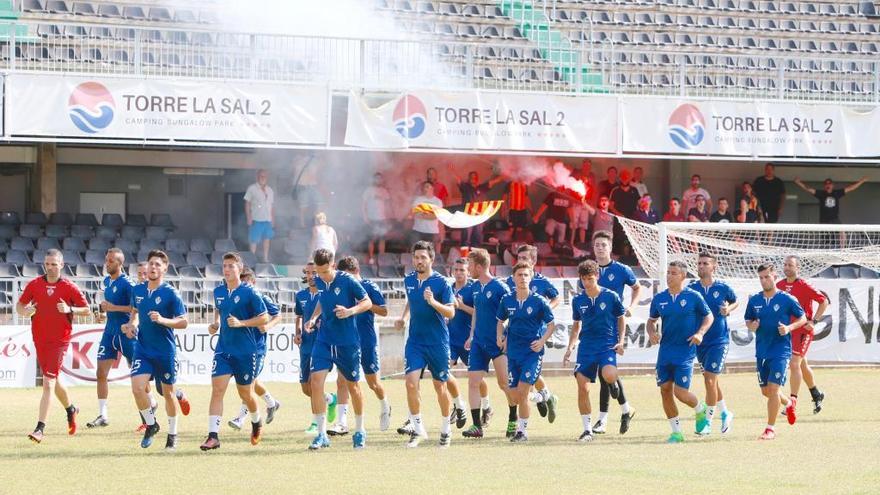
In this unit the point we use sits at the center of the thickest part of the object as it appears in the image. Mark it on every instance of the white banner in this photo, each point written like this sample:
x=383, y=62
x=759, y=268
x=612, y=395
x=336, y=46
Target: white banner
x=18, y=361
x=748, y=128
x=150, y=109
x=485, y=121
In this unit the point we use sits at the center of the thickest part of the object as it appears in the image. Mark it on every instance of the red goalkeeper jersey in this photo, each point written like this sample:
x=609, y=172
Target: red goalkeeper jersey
x=804, y=292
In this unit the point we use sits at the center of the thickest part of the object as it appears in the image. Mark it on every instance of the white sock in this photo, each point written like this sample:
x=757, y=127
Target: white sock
x=342, y=414
x=770, y=427
x=722, y=406
x=484, y=403
x=255, y=416
x=460, y=403
x=214, y=424
x=328, y=397
x=149, y=417
x=386, y=406
x=417, y=421
x=625, y=408
x=270, y=401
x=586, y=420
x=545, y=394
x=710, y=413
x=153, y=403
x=701, y=406
x=172, y=425
x=102, y=408
x=242, y=412
x=321, y=421
x=359, y=423
x=522, y=424
x=445, y=427
x=603, y=417
x=675, y=424
x=179, y=394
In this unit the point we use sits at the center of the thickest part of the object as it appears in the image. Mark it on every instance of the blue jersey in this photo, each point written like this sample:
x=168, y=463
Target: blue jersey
x=781, y=308
x=427, y=327
x=598, y=317
x=243, y=303
x=460, y=324
x=715, y=296
x=273, y=310
x=614, y=276
x=682, y=314
x=528, y=319
x=540, y=285
x=366, y=324
x=155, y=340
x=305, y=307
x=344, y=291
x=487, y=299
x=117, y=292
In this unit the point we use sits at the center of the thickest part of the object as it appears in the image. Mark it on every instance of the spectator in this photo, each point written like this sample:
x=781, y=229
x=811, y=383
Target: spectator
x=638, y=175
x=646, y=213
x=829, y=198
x=689, y=196
x=699, y=213
x=674, y=213
x=581, y=213
x=585, y=174
x=426, y=227
x=259, y=200
x=770, y=191
x=722, y=214
x=609, y=183
x=518, y=204
x=624, y=198
x=472, y=191
x=749, y=210
x=558, y=205
x=323, y=235
x=603, y=220
x=440, y=190
x=375, y=205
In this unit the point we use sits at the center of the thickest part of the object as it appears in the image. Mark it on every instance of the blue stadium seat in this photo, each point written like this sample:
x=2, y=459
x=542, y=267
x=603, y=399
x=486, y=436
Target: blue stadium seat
x=82, y=231
x=213, y=271
x=61, y=218
x=177, y=245
x=201, y=245
x=57, y=231
x=30, y=231
x=31, y=270
x=112, y=220
x=7, y=231
x=85, y=219
x=36, y=218
x=225, y=245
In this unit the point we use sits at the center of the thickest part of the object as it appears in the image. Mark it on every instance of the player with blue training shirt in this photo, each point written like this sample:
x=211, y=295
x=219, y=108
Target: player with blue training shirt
x=459, y=331
x=712, y=352
x=529, y=327
x=238, y=311
x=598, y=330
x=772, y=314
x=429, y=303
x=482, y=343
x=272, y=405
x=338, y=343
x=685, y=320
x=157, y=310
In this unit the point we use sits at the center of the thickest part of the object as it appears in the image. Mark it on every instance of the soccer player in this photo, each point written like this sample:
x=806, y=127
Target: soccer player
x=51, y=301
x=238, y=311
x=801, y=338
x=772, y=315
x=341, y=298
x=157, y=310
x=272, y=405
x=685, y=320
x=459, y=331
x=614, y=275
x=540, y=285
x=598, y=330
x=529, y=328
x=306, y=302
x=482, y=342
x=712, y=352
x=429, y=303
x=141, y=272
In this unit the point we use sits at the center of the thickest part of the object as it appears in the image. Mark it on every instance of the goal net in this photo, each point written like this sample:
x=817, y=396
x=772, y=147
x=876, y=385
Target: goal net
x=742, y=247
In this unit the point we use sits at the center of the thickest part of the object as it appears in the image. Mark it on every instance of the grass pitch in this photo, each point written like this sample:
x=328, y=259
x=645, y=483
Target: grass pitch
x=833, y=452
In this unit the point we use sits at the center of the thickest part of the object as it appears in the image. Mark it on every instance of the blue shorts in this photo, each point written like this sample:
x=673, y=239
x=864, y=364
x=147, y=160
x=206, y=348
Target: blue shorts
x=260, y=231
x=370, y=359
x=458, y=353
x=590, y=365
x=163, y=369
x=481, y=356
x=435, y=358
x=712, y=358
x=773, y=370
x=113, y=343
x=305, y=363
x=679, y=372
x=345, y=357
x=525, y=369
x=245, y=368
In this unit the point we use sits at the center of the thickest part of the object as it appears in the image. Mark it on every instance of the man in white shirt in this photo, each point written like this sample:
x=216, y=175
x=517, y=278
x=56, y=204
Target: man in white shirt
x=426, y=227
x=689, y=196
x=375, y=205
x=258, y=207
x=636, y=182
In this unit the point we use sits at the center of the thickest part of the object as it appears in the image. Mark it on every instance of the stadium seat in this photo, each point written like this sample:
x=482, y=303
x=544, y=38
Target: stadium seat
x=225, y=245
x=57, y=231
x=112, y=220
x=177, y=259
x=136, y=220
x=17, y=256
x=74, y=244
x=98, y=244
x=85, y=219
x=176, y=245
x=217, y=257
x=71, y=257
x=150, y=244
x=36, y=218
x=31, y=270
x=9, y=218
x=9, y=270
x=213, y=271
x=86, y=270
x=95, y=256
x=82, y=231
x=22, y=244
x=197, y=259
x=867, y=273
x=34, y=6
x=161, y=220
x=189, y=271
x=61, y=218
x=131, y=232
x=249, y=258
x=126, y=245
x=105, y=232
x=848, y=272
x=156, y=233
x=4, y=246
x=30, y=231
x=201, y=245
x=7, y=232
x=266, y=270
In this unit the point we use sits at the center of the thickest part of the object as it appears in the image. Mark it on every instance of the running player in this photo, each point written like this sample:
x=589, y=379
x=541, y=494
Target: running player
x=772, y=315
x=306, y=300
x=272, y=405
x=238, y=311
x=685, y=320
x=615, y=276
x=540, y=285
x=529, y=328
x=712, y=352
x=598, y=330
x=429, y=303
x=338, y=343
x=801, y=338
x=50, y=302
x=459, y=331
x=482, y=342
x=157, y=310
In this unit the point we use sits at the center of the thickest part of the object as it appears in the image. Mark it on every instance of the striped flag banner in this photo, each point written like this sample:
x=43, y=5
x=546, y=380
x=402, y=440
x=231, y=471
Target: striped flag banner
x=473, y=214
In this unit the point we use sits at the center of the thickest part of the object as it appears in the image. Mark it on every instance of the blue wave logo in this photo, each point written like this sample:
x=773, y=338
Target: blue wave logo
x=410, y=117
x=91, y=107
x=687, y=127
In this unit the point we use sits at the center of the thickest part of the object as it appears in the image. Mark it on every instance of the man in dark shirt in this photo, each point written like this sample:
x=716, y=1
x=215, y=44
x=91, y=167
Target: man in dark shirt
x=829, y=198
x=471, y=192
x=558, y=205
x=609, y=183
x=770, y=191
x=699, y=213
x=722, y=214
x=624, y=198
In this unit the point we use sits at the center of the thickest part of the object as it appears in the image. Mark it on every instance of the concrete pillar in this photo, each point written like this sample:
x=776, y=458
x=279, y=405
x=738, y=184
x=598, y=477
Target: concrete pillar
x=44, y=185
